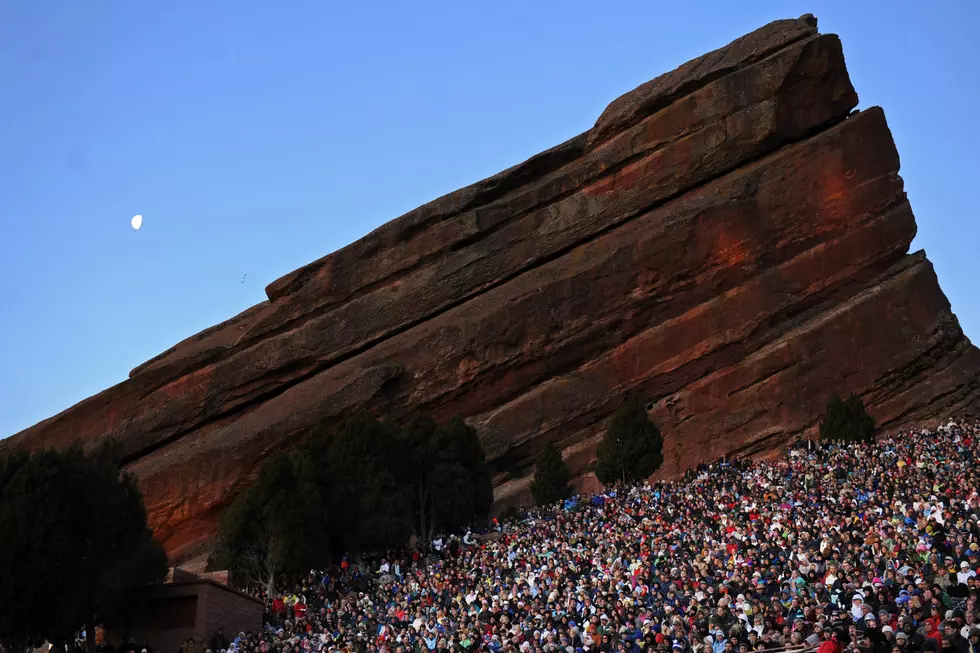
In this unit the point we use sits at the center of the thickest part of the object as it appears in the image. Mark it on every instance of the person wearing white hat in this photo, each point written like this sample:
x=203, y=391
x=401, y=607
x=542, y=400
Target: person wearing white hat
x=857, y=607
x=965, y=573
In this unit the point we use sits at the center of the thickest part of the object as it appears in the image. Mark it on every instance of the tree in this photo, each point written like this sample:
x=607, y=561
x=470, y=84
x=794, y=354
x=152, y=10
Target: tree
x=459, y=445
x=363, y=485
x=365, y=496
x=276, y=527
x=445, y=474
x=632, y=448
x=847, y=421
x=418, y=445
x=74, y=545
x=551, y=476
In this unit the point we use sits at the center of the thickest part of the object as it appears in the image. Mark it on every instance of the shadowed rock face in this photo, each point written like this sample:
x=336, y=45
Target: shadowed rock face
x=728, y=240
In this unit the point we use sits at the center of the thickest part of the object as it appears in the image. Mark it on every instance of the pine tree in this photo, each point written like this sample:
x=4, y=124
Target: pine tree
x=847, y=421
x=362, y=485
x=632, y=448
x=551, y=476
x=444, y=470
x=74, y=545
x=274, y=528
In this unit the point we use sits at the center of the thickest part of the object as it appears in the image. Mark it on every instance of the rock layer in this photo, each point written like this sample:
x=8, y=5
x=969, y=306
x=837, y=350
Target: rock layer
x=729, y=239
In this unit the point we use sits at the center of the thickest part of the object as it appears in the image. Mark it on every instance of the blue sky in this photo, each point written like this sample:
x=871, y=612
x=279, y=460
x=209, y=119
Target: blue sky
x=257, y=136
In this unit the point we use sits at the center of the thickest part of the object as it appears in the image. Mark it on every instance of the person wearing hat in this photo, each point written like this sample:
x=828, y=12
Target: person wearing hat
x=885, y=619
x=901, y=640
x=974, y=640
x=914, y=639
x=965, y=573
x=878, y=643
x=813, y=639
x=857, y=607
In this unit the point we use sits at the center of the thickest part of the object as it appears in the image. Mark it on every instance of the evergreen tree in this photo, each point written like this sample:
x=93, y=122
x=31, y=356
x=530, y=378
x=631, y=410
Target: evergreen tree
x=551, y=476
x=274, y=528
x=359, y=475
x=632, y=448
x=847, y=421
x=360, y=486
x=460, y=445
x=74, y=545
x=446, y=475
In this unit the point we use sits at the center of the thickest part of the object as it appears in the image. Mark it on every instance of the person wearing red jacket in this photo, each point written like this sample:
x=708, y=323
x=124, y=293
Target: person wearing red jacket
x=831, y=644
x=299, y=609
x=933, y=632
x=278, y=606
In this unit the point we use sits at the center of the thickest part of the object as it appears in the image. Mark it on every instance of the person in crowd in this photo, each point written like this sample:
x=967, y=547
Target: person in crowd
x=219, y=641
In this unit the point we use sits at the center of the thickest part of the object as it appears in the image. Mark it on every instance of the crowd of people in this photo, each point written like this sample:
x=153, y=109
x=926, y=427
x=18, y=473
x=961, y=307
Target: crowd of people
x=873, y=548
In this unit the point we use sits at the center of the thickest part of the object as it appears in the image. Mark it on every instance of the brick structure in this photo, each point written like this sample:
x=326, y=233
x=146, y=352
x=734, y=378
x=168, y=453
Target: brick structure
x=191, y=606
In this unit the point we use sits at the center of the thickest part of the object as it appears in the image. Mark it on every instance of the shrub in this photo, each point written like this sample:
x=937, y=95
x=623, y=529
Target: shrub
x=74, y=545
x=847, y=421
x=551, y=476
x=632, y=448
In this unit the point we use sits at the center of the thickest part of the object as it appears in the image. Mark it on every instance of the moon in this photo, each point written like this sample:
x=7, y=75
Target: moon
x=137, y=222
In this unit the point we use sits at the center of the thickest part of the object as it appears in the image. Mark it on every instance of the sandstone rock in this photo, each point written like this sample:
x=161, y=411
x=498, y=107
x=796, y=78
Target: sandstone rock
x=729, y=240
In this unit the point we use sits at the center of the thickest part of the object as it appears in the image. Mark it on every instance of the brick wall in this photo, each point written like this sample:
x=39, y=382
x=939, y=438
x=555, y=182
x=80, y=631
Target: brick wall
x=216, y=606
x=222, y=607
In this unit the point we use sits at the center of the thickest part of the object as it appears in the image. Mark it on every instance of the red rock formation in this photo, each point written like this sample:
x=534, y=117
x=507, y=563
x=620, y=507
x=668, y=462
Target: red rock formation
x=729, y=240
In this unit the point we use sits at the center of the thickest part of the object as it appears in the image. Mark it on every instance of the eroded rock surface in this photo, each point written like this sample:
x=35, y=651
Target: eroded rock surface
x=730, y=240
